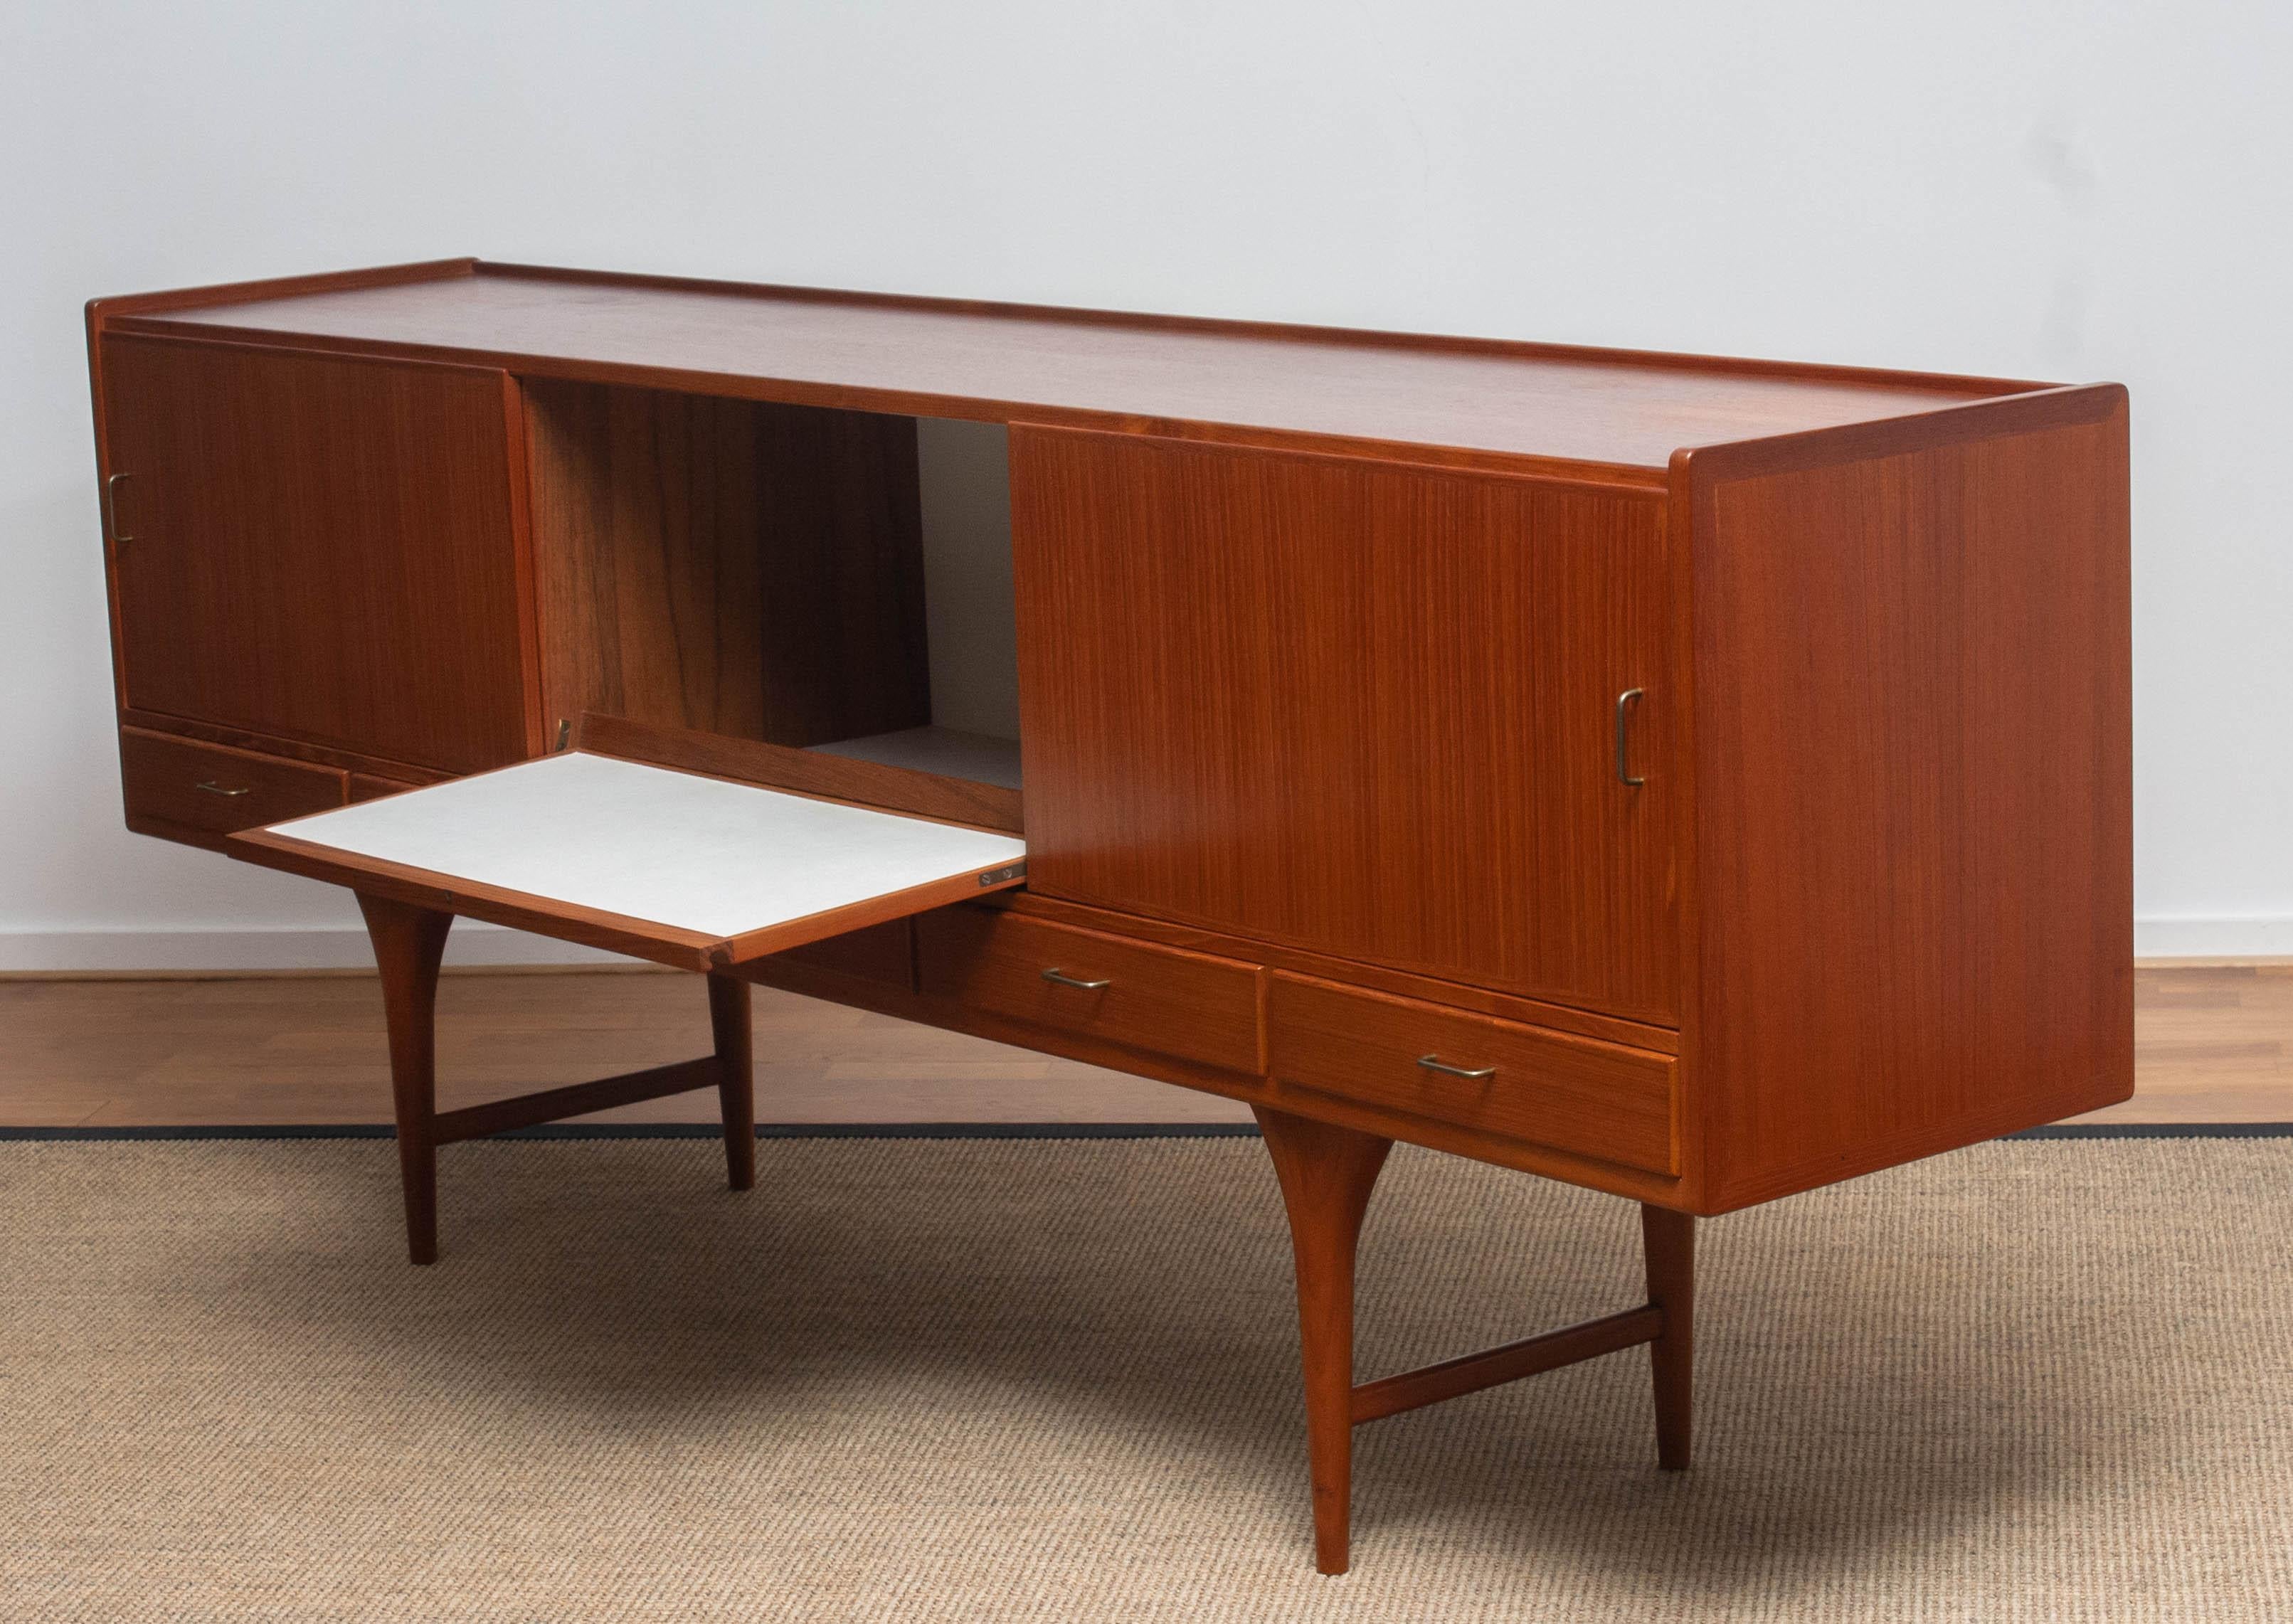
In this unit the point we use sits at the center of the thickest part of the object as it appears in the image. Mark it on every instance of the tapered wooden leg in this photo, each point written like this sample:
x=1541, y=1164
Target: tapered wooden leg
x=1670, y=1241
x=728, y=1020
x=408, y=942
x=1326, y=1175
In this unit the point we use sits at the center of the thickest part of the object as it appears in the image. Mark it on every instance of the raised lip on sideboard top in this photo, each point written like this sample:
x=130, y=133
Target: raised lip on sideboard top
x=202, y=313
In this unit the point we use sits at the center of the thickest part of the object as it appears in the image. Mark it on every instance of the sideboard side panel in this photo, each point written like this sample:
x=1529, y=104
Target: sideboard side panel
x=1913, y=770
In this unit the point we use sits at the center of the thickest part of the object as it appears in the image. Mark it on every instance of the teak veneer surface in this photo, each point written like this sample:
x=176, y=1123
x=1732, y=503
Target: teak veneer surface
x=1573, y=1094
x=1341, y=705
x=1780, y=711
x=259, y=495
x=1913, y=776
x=739, y=567
x=1321, y=639
x=1616, y=409
x=1127, y=991
x=186, y=783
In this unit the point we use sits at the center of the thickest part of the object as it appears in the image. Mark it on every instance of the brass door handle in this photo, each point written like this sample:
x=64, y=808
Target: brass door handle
x=111, y=508
x=211, y=788
x=1624, y=703
x=1471, y=1075
x=1063, y=979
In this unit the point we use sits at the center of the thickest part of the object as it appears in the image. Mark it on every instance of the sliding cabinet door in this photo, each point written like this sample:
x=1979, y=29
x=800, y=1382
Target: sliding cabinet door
x=317, y=548
x=1353, y=708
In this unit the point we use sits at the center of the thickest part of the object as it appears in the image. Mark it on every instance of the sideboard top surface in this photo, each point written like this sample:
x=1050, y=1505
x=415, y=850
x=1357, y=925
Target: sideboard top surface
x=1617, y=410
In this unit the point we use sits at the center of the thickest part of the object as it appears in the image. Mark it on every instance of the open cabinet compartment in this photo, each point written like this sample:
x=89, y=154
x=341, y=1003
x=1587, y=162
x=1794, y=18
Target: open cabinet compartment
x=798, y=576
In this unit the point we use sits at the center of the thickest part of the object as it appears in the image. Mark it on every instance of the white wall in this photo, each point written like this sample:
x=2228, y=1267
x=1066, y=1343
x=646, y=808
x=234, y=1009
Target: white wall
x=2059, y=189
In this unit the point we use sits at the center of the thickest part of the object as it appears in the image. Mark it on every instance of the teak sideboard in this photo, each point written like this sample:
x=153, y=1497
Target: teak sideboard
x=1697, y=779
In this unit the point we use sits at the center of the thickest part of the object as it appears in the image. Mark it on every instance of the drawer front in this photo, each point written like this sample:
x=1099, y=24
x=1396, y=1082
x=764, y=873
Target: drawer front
x=209, y=787
x=1163, y=999
x=1600, y=1099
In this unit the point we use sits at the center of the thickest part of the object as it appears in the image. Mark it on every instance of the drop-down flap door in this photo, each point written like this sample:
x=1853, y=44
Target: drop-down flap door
x=672, y=863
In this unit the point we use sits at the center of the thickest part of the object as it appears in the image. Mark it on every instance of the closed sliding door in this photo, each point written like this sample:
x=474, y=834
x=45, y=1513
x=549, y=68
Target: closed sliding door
x=1366, y=710
x=317, y=548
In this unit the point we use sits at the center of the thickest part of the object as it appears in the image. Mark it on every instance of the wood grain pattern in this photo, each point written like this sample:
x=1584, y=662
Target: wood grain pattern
x=885, y=953
x=409, y=941
x=1189, y=1005
x=2212, y=1043
x=646, y=540
x=1364, y=711
x=1435, y=1383
x=1346, y=719
x=102, y=311
x=503, y=1116
x=368, y=787
x=206, y=786
x=733, y=1064
x=219, y=295
x=354, y=762
x=267, y=494
x=744, y=569
x=953, y=1015
x=878, y=909
x=1596, y=1099
x=1555, y=1017
x=1599, y=409
x=1326, y=1175
x=1668, y=1244
x=1913, y=778
x=422, y=889
x=845, y=653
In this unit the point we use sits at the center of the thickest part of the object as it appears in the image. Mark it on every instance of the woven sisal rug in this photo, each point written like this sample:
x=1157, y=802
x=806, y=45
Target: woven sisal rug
x=1056, y=1380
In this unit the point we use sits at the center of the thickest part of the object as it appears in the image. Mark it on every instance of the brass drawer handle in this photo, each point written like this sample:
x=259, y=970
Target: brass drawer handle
x=1061, y=978
x=1624, y=703
x=211, y=788
x=1472, y=1076
x=111, y=508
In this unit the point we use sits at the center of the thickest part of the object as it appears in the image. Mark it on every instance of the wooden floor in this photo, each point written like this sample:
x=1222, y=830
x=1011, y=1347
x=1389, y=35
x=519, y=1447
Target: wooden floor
x=2212, y=1045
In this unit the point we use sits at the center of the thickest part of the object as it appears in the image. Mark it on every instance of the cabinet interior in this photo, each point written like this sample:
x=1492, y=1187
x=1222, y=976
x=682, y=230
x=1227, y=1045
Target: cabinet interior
x=818, y=578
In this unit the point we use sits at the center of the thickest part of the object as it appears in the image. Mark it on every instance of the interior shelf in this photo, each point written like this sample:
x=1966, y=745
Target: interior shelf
x=948, y=752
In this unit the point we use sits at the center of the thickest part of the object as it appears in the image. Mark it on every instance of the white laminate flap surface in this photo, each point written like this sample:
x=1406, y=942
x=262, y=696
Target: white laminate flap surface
x=695, y=853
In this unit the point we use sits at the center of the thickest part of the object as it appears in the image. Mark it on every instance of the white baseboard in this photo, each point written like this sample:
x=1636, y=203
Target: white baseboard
x=68, y=952
x=2249, y=938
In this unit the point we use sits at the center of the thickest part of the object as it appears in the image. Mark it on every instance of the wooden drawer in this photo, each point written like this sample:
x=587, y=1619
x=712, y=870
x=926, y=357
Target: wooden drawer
x=1600, y=1099
x=1164, y=1000
x=211, y=788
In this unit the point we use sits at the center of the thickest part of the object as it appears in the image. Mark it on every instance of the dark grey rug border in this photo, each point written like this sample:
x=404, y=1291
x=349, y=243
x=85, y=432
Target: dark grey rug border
x=678, y=1130
x=2157, y=1130
x=976, y=1130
